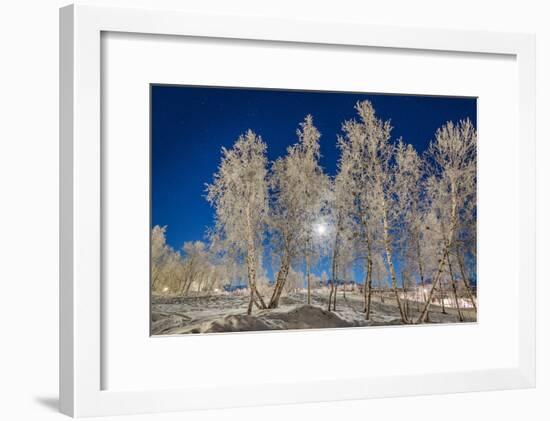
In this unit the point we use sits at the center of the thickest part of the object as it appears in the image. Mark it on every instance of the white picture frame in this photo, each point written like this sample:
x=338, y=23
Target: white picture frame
x=81, y=319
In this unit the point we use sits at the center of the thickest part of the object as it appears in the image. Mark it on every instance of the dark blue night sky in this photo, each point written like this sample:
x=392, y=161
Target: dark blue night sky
x=189, y=125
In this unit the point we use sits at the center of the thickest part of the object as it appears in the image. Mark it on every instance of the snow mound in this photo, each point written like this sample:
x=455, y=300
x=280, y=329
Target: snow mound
x=233, y=323
x=164, y=322
x=302, y=317
x=308, y=317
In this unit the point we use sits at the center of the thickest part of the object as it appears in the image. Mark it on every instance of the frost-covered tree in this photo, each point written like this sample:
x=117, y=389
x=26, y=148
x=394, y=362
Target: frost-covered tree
x=379, y=274
x=315, y=195
x=382, y=176
x=172, y=274
x=410, y=200
x=287, y=219
x=300, y=190
x=355, y=193
x=295, y=280
x=367, y=143
x=192, y=269
x=167, y=268
x=452, y=159
x=159, y=254
x=239, y=194
x=195, y=263
x=341, y=234
x=464, y=249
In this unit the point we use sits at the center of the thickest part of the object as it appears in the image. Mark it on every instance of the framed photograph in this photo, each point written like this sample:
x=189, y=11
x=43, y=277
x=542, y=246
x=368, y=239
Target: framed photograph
x=247, y=203
x=336, y=222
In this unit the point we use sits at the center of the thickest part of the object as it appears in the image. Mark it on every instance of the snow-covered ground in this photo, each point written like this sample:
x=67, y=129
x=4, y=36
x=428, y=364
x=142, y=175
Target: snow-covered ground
x=227, y=313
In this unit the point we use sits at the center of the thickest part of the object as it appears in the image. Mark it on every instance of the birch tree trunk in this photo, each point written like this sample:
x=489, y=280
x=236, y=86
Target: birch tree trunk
x=251, y=271
x=405, y=297
x=464, y=278
x=367, y=285
x=334, y=298
x=368, y=281
x=308, y=279
x=389, y=260
x=453, y=286
x=330, y=295
x=189, y=278
x=280, y=282
x=251, y=265
x=447, y=247
x=421, y=272
x=334, y=273
x=155, y=275
x=188, y=283
x=442, y=297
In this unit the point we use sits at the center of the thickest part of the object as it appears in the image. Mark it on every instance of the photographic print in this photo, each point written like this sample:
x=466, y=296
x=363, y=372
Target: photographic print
x=285, y=209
